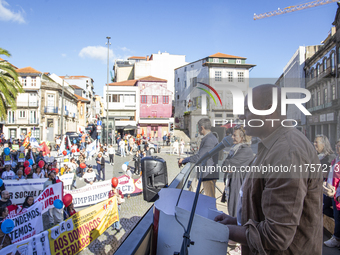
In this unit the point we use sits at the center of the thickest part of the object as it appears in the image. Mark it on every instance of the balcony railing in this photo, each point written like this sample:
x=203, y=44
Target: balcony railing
x=66, y=112
x=323, y=106
x=51, y=109
x=27, y=104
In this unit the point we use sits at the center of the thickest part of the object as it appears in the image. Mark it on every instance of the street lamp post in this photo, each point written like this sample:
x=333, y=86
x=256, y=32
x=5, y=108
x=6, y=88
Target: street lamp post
x=107, y=90
x=62, y=109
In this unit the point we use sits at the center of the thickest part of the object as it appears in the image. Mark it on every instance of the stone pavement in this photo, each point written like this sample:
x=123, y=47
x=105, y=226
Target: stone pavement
x=132, y=210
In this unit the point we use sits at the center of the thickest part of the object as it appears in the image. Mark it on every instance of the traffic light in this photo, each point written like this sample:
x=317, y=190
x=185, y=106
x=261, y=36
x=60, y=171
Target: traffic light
x=171, y=127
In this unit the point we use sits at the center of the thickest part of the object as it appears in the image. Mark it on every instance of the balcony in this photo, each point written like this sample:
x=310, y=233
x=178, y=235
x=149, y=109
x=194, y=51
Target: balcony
x=51, y=110
x=66, y=113
x=26, y=104
x=323, y=106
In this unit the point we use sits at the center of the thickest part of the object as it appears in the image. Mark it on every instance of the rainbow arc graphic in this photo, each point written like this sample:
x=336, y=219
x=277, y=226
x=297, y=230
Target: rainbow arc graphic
x=209, y=93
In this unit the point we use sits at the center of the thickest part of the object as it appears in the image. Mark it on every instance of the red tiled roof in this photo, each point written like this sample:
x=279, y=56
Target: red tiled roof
x=27, y=70
x=221, y=55
x=75, y=87
x=151, y=78
x=1, y=59
x=81, y=98
x=124, y=83
x=134, y=57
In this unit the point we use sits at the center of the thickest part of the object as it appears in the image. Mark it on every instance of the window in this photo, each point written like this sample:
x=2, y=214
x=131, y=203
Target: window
x=115, y=98
x=238, y=61
x=312, y=101
x=144, y=100
x=22, y=114
x=193, y=81
x=185, y=69
x=192, y=66
x=218, y=115
x=36, y=133
x=165, y=99
x=185, y=103
x=332, y=62
x=177, y=96
x=325, y=96
x=318, y=98
x=33, y=81
x=333, y=92
x=109, y=99
x=13, y=133
x=215, y=60
x=81, y=110
x=230, y=76
x=324, y=65
x=33, y=117
x=11, y=117
x=218, y=75
x=240, y=76
x=185, y=84
x=317, y=70
x=177, y=79
x=312, y=73
x=24, y=81
x=155, y=99
x=130, y=98
x=230, y=115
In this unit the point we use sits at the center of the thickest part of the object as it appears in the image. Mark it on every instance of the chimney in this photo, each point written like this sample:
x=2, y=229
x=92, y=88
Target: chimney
x=147, y=58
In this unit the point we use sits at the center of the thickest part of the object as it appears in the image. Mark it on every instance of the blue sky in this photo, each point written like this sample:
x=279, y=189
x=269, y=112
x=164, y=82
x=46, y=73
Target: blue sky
x=68, y=37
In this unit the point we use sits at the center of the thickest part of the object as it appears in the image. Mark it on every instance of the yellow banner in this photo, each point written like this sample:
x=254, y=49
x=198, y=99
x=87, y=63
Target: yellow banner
x=77, y=232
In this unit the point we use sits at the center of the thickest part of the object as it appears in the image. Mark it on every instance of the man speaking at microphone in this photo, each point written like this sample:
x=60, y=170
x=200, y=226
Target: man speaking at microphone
x=208, y=142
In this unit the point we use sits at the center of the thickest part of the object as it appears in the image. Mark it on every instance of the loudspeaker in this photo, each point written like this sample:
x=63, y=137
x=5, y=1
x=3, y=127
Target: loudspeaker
x=154, y=177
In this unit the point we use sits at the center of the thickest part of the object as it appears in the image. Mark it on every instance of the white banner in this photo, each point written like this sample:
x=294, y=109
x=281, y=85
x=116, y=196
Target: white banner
x=67, y=179
x=19, y=190
x=91, y=148
x=97, y=192
x=27, y=223
x=37, y=245
x=48, y=196
x=90, y=194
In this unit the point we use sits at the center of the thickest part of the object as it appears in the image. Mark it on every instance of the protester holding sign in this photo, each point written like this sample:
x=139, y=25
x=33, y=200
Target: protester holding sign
x=8, y=174
x=90, y=176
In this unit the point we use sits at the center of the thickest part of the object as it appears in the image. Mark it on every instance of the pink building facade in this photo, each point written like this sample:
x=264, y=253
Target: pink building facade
x=155, y=104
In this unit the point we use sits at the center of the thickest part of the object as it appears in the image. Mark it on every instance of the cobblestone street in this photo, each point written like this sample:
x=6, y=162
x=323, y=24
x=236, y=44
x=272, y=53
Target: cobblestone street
x=132, y=210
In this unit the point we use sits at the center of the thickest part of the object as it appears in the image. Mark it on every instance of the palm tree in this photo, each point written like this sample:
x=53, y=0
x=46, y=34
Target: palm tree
x=9, y=85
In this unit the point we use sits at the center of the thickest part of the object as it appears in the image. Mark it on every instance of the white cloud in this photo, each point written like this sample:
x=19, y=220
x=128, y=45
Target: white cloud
x=96, y=52
x=125, y=49
x=8, y=15
x=63, y=55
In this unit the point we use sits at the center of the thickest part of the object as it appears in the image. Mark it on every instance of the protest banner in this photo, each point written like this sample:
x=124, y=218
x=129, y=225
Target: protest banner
x=97, y=192
x=19, y=190
x=48, y=196
x=27, y=223
x=67, y=179
x=21, y=157
x=15, y=147
x=37, y=245
x=91, y=148
x=90, y=194
x=77, y=232
x=8, y=159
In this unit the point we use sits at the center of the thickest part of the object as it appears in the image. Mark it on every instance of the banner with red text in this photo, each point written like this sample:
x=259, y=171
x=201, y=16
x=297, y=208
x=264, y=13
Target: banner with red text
x=77, y=232
x=48, y=196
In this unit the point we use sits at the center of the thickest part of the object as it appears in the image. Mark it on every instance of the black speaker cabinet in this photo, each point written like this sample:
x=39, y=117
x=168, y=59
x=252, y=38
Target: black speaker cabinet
x=154, y=177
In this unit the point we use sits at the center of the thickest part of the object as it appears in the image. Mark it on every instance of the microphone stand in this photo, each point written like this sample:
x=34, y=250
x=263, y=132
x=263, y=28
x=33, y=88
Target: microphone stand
x=186, y=237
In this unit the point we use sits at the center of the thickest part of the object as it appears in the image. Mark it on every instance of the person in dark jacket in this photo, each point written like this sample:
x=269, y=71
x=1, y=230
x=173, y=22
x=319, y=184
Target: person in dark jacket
x=100, y=165
x=239, y=155
x=137, y=160
x=208, y=142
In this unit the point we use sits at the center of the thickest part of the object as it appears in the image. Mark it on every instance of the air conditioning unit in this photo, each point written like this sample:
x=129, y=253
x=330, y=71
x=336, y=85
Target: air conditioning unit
x=225, y=61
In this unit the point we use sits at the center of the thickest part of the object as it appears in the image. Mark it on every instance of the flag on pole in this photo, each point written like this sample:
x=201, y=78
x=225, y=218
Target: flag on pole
x=27, y=140
x=34, y=143
x=44, y=148
x=62, y=146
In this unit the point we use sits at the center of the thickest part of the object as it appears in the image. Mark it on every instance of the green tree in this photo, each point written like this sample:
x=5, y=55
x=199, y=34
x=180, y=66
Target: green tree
x=9, y=85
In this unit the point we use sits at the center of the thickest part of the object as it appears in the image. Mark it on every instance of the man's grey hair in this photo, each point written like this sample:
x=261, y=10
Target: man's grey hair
x=327, y=149
x=3, y=192
x=19, y=171
x=205, y=122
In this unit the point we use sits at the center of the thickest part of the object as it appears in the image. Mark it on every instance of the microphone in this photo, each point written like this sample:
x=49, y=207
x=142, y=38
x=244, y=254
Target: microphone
x=224, y=143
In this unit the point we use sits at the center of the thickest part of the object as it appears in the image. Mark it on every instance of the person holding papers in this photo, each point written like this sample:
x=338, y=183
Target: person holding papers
x=90, y=176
